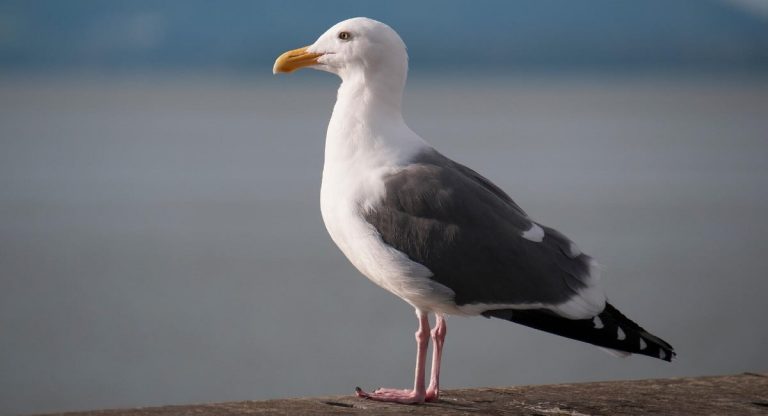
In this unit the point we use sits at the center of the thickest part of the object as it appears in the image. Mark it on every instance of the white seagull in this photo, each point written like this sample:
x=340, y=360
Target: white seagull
x=434, y=232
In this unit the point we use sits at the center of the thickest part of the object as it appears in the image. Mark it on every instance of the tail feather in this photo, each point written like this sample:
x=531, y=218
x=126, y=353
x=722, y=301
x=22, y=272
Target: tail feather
x=610, y=329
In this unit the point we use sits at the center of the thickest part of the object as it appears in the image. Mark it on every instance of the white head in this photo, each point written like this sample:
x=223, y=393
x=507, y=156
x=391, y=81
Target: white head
x=367, y=123
x=358, y=48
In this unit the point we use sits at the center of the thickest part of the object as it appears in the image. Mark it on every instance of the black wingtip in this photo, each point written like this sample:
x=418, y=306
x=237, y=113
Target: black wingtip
x=610, y=329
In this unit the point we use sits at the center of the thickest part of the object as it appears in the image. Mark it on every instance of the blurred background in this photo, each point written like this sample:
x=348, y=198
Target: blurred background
x=160, y=233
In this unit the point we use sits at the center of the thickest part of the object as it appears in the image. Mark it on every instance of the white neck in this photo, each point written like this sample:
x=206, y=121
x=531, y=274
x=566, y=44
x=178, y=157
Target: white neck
x=367, y=124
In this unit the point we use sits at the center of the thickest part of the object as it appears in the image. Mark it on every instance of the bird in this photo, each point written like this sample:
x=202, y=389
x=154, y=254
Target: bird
x=434, y=232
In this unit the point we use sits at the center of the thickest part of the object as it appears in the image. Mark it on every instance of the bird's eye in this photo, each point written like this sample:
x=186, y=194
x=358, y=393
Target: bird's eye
x=345, y=35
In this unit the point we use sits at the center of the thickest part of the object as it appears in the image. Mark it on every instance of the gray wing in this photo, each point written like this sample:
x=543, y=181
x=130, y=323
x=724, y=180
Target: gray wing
x=468, y=232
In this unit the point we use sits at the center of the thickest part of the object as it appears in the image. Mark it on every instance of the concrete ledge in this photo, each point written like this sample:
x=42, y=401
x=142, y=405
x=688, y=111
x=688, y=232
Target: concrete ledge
x=744, y=394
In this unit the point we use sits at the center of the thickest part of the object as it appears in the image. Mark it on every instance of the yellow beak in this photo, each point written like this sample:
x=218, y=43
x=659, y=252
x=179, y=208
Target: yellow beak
x=295, y=59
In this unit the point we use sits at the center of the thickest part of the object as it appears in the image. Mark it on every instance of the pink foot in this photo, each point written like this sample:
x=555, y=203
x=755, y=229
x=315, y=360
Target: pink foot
x=392, y=395
x=432, y=396
x=384, y=390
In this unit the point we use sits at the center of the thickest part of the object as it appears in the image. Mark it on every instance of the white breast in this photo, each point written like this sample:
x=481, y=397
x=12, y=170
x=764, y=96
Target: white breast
x=344, y=199
x=353, y=182
x=367, y=140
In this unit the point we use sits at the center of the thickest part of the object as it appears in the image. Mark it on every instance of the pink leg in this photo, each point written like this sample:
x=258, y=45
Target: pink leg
x=419, y=390
x=438, y=338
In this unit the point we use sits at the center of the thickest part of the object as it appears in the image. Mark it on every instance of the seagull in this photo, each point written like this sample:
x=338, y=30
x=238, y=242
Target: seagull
x=434, y=232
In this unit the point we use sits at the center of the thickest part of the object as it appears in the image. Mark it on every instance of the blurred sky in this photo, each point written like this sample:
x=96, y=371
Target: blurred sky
x=243, y=35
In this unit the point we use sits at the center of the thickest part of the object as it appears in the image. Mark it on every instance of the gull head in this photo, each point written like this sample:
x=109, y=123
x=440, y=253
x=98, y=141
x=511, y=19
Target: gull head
x=358, y=47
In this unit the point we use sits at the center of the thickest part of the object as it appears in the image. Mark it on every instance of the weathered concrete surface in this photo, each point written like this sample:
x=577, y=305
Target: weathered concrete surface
x=744, y=394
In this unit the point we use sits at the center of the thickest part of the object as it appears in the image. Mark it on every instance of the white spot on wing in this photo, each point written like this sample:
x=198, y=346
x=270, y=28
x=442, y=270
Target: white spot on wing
x=643, y=345
x=574, y=250
x=598, y=322
x=535, y=233
x=662, y=354
x=620, y=334
x=589, y=301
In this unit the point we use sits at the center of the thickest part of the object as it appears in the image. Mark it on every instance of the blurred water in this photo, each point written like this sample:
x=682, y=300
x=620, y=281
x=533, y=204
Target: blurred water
x=161, y=242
